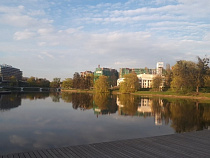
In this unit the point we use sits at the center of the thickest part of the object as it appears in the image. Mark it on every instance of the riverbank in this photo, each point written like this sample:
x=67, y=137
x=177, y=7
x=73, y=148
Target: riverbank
x=167, y=94
x=77, y=91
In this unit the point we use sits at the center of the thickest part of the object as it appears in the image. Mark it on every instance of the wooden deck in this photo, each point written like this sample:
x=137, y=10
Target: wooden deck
x=193, y=144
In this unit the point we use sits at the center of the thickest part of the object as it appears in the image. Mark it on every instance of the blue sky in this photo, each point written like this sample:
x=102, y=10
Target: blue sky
x=55, y=38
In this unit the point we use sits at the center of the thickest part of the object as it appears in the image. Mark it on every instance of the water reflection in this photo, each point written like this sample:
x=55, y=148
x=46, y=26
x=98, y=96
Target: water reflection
x=60, y=119
x=183, y=115
x=8, y=102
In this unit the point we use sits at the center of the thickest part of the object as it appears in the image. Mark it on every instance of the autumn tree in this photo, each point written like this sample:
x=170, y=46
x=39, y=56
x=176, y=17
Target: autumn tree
x=55, y=83
x=31, y=81
x=101, y=85
x=13, y=81
x=89, y=81
x=76, y=80
x=67, y=83
x=168, y=76
x=130, y=83
x=157, y=82
x=184, y=76
x=202, y=72
x=38, y=82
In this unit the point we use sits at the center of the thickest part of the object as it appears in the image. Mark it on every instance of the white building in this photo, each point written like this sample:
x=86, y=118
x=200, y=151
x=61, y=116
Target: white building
x=145, y=80
x=159, y=68
x=119, y=81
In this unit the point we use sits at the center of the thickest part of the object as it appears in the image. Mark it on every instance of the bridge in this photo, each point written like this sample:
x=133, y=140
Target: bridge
x=30, y=89
x=190, y=145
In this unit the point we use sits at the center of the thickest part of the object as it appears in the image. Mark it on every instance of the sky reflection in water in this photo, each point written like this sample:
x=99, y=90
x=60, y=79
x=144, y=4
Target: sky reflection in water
x=41, y=120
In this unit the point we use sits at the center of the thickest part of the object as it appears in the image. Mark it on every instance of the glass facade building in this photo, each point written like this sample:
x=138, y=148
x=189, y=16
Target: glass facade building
x=7, y=71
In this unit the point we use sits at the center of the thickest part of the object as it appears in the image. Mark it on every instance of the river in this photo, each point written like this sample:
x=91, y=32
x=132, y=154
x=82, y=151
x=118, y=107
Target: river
x=32, y=121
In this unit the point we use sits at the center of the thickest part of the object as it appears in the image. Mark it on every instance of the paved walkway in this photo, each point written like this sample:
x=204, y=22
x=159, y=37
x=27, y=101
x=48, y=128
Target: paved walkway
x=193, y=144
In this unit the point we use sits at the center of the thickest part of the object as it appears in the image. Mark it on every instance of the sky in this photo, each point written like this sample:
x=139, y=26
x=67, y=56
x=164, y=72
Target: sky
x=56, y=38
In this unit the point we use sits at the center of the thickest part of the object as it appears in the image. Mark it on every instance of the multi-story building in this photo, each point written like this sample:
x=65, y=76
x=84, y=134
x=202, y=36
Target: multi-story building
x=145, y=75
x=86, y=73
x=112, y=74
x=138, y=71
x=159, y=68
x=7, y=71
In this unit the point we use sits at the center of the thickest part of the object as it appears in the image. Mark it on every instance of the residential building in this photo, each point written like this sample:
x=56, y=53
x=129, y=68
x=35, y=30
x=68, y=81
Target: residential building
x=7, y=71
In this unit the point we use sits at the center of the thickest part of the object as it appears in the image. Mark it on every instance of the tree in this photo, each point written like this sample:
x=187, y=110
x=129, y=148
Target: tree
x=38, y=82
x=184, y=76
x=202, y=69
x=55, y=83
x=156, y=83
x=67, y=83
x=76, y=80
x=13, y=81
x=31, y=81
x=130, y=83
x=102, y=85
x=89, y=81
x=168, y=76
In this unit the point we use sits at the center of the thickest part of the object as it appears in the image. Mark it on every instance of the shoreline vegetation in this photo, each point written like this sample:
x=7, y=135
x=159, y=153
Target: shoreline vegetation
x=166, y=94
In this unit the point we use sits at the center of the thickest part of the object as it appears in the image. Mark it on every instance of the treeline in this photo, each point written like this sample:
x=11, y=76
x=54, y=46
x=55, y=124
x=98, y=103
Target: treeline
x=37, y=82
x=79, y=82
x=188, y=76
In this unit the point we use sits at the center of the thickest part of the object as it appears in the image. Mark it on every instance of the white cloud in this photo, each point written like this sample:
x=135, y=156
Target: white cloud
x=48, y=55
x=44, y=31
x=23, y=35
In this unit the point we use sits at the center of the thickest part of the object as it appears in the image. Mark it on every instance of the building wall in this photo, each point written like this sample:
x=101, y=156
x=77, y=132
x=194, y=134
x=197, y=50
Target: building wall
x=7, y=71
x=146, y=80
x=112, y=74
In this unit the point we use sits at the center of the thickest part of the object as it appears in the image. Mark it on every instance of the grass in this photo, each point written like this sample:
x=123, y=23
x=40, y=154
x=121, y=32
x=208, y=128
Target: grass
x=192, y=95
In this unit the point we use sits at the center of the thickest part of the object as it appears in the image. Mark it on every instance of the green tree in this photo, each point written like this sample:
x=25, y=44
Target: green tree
x=102, y=85
x=55, y=83
x=67, y=83
x=184, y=76
x=156, y=83
x=130, y=83
x=202, y=69
x=13, y=81
x=31, y=81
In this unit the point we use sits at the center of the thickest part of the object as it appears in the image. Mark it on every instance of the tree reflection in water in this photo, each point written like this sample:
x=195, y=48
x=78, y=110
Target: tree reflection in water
x=181, y=114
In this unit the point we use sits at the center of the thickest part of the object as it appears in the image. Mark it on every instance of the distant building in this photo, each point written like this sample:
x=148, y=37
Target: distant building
x=86, y=73
x=159, y=68
x=144, y=75
x=145, y=80
x=7, y=71
x=138, y=71
x=112, y=74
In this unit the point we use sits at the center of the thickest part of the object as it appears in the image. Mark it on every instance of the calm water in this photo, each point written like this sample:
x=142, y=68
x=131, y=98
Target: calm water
x=31, y=121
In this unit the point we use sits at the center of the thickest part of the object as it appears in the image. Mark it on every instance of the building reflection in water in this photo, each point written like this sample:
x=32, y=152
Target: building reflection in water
x=144, y=109
x=8, y=102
